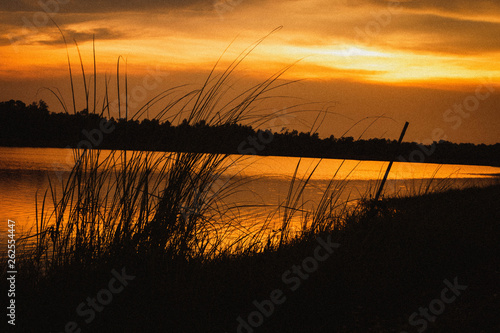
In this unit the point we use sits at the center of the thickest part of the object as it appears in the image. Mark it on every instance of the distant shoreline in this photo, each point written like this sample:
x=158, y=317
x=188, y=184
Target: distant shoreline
x=35, y=126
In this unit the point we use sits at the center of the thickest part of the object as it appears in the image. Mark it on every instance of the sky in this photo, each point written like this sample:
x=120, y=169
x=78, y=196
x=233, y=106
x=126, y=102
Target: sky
x=364, y=66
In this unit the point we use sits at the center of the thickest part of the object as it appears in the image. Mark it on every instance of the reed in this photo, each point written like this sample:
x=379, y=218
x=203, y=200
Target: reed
x=166, y=207
x=163, y=208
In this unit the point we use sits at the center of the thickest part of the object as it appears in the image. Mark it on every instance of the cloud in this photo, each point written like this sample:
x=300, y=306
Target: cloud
x=84, y=36
x=436, y=26
x=450, y=34
x=101, y=6
x=448, y=27
x=25, y=37
x=443, y=35
x=465, y=7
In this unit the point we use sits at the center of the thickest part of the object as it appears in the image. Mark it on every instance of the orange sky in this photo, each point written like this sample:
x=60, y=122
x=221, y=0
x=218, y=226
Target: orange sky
x=431, y=63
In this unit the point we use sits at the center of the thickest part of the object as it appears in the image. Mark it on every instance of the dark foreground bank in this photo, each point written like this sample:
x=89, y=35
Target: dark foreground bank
x=412, y=264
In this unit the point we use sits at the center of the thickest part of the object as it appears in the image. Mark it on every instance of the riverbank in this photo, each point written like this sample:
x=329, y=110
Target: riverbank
x=379, y=271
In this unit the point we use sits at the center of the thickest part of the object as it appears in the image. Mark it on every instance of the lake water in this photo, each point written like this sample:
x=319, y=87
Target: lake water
x=25, y=171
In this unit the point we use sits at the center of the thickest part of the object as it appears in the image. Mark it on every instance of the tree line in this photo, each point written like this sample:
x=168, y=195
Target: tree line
x=34, y=125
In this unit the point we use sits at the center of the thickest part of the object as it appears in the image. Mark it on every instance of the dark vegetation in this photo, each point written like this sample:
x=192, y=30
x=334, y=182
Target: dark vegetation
x=33, y=125
x=388, y=265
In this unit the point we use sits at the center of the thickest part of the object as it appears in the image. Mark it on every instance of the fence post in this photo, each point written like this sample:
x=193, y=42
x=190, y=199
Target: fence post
x=379, y=192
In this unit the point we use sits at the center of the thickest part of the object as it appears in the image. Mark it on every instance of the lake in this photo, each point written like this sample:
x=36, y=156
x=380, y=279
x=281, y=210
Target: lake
x=25, y=171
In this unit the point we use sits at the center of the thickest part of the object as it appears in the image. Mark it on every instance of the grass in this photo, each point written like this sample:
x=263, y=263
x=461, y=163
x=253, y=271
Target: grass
x=152, y=207
x=143, y=204
x=387, y=266
x=164, y=218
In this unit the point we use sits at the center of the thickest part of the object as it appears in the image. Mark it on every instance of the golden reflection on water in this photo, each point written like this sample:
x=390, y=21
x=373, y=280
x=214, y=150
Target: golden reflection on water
x=25, y=171
x=362, y=170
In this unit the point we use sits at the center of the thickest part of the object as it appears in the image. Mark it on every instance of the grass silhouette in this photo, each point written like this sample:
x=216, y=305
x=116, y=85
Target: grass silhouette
x=164, y=218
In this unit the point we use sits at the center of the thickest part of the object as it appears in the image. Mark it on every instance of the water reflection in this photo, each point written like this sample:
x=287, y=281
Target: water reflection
x=25, y=171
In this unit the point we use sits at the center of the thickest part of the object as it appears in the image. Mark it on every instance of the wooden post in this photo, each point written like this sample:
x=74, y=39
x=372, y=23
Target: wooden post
x=379, y=192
